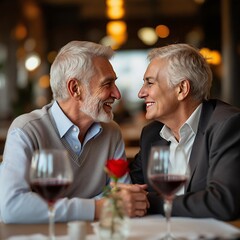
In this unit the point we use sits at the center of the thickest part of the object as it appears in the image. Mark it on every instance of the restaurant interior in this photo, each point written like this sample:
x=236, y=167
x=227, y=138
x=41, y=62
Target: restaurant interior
x=32, y=31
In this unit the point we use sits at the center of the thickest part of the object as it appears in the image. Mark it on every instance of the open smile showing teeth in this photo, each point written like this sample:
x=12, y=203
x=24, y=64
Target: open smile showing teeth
x=109, y=104
x=149, y=104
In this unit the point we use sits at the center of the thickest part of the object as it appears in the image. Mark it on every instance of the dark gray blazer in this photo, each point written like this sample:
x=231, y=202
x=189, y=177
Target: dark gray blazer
x=214, y=187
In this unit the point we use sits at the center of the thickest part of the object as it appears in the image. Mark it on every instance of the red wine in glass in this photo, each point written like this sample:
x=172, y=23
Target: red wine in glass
x=50, y=175
x=167, y=176
x=167, y=185
x=50, y=190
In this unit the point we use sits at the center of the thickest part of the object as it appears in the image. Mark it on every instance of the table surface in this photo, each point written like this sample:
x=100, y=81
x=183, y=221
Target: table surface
x=8, y=230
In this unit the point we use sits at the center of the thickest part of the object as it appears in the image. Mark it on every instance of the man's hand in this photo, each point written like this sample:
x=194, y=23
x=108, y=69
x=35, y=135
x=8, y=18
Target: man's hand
x=134, y=198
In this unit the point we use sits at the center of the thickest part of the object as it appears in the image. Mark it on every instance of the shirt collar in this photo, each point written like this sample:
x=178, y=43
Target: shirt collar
x=191, y=124
x=64, y=124
x=93, y=131
x=62, y=121
x=193, y=120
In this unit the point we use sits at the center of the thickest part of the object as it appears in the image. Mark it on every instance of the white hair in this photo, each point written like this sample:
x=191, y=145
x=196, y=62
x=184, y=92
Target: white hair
x=185, y=62
x=74, y=60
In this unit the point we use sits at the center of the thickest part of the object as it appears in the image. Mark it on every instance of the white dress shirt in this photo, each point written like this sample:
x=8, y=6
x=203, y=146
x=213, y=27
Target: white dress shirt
x=187, y=134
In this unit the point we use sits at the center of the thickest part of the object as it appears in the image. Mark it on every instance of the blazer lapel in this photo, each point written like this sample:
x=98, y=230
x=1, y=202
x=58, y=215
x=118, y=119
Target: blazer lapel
x=195, y=156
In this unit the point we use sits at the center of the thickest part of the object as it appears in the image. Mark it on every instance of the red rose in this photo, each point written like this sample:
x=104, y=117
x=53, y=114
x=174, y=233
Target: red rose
x=117, y=168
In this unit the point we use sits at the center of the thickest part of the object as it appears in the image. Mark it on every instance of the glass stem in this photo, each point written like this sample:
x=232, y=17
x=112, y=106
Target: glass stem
x=51, y=215
x=168, y=212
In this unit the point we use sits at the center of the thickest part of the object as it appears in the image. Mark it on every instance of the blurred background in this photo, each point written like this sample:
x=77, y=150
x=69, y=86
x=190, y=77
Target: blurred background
x=32, y=31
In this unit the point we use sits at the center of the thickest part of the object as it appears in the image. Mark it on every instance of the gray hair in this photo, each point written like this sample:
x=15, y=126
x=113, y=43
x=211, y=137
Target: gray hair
x=185, y=62
x=74, y=60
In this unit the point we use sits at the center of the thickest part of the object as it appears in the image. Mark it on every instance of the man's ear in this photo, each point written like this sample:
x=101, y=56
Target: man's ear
x=183, y=89
x=74, y=88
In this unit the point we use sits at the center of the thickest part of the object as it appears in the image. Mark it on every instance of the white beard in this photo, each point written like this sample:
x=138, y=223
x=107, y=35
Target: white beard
x=93, y=107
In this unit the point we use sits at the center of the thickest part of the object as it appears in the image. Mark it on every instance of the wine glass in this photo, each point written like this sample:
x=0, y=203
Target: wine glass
x=50, y=175
x=167, y=177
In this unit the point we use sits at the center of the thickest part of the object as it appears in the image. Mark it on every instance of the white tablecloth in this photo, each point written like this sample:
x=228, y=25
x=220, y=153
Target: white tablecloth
x=153, y=227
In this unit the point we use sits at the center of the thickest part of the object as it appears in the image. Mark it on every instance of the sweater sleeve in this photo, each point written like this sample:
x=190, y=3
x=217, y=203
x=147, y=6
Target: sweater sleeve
x=18, y=204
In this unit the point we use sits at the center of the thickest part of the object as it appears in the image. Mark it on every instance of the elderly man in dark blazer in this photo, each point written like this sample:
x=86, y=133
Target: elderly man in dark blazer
x=176, y=91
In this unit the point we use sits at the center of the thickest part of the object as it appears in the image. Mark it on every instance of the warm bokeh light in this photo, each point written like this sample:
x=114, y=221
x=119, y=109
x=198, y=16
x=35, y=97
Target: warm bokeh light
x=115, y=12
x=116, y=28
x=212, y=56
x=115, y=9
x=44, y=81
x=120, y=39
x=20, y=31
x=32, y=62
x=114, y=3
x=162, y=31
x=216, y=58
x=148, y=35
x=31, y=10
x=114, y=42
x=206, y=53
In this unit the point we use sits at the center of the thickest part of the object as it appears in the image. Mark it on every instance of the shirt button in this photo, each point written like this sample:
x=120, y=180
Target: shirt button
x=76, y=147
x=74, y=129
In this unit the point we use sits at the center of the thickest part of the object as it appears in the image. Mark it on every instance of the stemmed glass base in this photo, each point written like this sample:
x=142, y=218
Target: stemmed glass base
x=168, y=237
x=168, y=211
x=51, y=215
x=171, y=237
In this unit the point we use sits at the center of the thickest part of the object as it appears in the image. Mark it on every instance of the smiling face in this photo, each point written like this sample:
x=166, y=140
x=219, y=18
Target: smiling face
x=101, y=92
x=161, y=99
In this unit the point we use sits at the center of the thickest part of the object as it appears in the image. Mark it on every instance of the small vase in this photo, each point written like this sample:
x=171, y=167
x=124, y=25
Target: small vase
x=113, y=223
